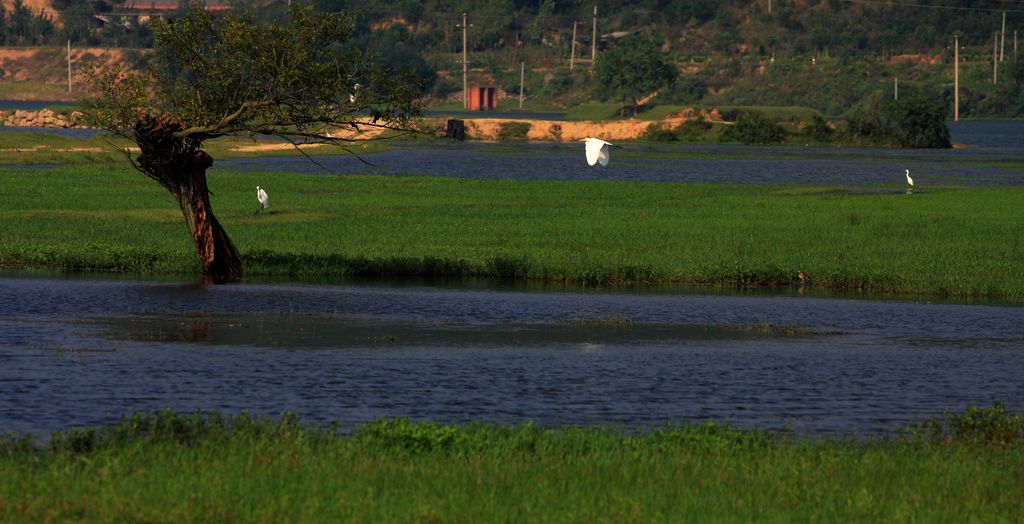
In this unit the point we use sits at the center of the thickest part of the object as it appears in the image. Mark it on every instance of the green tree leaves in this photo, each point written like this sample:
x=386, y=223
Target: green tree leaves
x=915, y=120
x=221, y=74
x=632, y=69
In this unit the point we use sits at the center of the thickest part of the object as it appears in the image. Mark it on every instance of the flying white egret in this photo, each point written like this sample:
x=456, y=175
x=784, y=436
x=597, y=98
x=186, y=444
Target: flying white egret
x=262, y=197
x=597, y=150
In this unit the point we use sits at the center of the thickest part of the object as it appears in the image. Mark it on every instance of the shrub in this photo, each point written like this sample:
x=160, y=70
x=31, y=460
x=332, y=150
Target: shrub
x=659, y=133
x=513, y=130
x=444, y=87
x=915, y=120
x=754, y=128
x=699, y=130
x=817, y=129
x=687, y=90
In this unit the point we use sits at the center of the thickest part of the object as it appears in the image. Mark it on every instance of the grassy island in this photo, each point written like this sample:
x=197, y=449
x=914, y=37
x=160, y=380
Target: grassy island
x=961, y=242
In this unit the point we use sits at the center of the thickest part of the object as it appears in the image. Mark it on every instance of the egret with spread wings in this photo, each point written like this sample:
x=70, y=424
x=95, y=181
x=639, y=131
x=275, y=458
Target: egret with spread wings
x=597, y=150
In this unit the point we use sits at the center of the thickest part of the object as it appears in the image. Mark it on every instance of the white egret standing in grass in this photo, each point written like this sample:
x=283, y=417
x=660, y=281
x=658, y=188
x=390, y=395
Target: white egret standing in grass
x=597, y=150
x=910, y=182
x=263, y=199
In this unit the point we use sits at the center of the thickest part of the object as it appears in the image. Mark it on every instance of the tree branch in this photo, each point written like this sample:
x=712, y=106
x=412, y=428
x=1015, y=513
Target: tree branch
x=215, y=129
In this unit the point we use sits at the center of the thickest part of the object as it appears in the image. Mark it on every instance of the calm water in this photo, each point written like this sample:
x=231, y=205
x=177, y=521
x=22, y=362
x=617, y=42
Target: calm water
x=74, y=350
x=31, y=105
x=993, y=158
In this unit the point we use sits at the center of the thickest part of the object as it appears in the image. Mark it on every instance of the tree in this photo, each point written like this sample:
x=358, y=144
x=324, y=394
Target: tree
x=915, y=120
x=19, y=24
x=216, y=75
x=632, y=69
x=753, y=127
x=919, y=120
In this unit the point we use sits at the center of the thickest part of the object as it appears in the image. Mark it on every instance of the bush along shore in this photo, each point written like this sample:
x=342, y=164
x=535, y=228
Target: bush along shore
x=169, y=467
x=959, y=242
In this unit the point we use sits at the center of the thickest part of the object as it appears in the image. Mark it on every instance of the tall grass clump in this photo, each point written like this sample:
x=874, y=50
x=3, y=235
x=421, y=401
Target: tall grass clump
x=993, y=426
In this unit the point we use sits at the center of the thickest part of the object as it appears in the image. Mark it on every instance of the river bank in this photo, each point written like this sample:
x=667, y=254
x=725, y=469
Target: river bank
x=476, y=128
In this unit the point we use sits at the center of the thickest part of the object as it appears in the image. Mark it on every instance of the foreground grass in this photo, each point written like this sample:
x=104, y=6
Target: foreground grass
x=164, y=467
x=959, y=242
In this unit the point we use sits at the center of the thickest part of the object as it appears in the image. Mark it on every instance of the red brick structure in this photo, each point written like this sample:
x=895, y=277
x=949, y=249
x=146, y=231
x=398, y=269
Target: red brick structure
x=482, y=99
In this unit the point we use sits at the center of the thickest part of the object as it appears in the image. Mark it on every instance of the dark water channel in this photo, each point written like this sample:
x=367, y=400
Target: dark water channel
x=73, y=350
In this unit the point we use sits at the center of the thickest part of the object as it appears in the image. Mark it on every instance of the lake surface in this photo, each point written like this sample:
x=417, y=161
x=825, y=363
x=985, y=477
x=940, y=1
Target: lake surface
x=993, y=158
x=75, y=350
x=31, y=105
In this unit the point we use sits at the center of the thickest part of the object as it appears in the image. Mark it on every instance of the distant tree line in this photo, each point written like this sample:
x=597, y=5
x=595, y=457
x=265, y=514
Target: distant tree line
x=703, y=26
x=683, y=27
x=426, y=36
x=83, y=23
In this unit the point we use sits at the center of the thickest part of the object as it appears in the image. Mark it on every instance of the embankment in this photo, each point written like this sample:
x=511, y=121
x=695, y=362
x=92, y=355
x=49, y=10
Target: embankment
x=570, y=130
x=41, y=118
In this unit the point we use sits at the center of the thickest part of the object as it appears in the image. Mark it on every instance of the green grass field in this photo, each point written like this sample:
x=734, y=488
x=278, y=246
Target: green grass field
x=29, y=90
x=164, y=467
x=43, y=148
x=946, y=241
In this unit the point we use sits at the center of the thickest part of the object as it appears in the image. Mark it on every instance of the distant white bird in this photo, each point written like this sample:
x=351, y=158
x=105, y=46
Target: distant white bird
x=597, y=150
x=910, y=181
x=263, y=199
x=352, y=95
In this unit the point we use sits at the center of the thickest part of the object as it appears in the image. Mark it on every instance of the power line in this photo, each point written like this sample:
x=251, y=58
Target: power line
x=931, y=6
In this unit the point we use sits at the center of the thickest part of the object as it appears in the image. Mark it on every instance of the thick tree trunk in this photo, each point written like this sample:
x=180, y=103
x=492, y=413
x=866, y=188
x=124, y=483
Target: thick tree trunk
x=181, y=169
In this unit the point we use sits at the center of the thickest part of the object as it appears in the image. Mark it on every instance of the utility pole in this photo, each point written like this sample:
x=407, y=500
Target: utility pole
x=522, y=77
x=896, y=88
x=69, y=66
x=956, y=78
x=572, y=53
x=1002, y=38
x=995, y=56
x=593, y=42
x=769, y=7
x=465, y=67
x=1014, y=45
